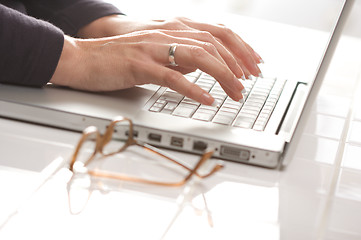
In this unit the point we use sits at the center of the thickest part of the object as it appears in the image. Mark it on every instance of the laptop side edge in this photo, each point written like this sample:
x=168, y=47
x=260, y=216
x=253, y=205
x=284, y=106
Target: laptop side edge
x=295, y=132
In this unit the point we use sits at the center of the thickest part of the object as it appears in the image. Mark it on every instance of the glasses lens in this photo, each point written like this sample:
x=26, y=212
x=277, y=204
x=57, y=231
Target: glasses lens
x=143, y=167
x=120, y=132
x=79, y=192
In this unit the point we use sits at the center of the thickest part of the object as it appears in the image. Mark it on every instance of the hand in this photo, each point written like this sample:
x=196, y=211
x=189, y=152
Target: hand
x=142, y=57
x=245, y=56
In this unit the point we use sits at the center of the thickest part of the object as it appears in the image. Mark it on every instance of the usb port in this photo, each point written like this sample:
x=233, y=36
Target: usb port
x=176, y=141
x=154, y=137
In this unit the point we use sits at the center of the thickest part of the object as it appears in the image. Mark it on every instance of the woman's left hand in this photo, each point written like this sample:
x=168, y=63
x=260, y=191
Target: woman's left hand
x=218, y=35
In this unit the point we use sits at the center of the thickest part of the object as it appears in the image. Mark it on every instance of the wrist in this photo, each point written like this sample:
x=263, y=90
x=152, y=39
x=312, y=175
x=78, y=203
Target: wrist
x=68, y=67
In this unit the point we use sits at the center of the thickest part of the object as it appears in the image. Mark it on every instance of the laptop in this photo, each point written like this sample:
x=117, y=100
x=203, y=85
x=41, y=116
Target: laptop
x=257, y=132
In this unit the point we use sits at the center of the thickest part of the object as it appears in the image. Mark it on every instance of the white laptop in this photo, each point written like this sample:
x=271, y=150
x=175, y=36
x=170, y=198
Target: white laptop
x=256, y=132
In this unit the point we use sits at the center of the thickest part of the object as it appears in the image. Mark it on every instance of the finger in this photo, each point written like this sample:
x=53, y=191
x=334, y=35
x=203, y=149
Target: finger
x=246, y=72
x=255, y=54
x=162, y=37
x=175, y=80
x=207, y=37
x=229, y=39
x=195, y=57
x=183, y=70
x=190, y=56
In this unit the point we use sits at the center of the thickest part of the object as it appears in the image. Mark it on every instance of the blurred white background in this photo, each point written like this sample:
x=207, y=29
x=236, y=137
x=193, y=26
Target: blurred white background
x=300, y=12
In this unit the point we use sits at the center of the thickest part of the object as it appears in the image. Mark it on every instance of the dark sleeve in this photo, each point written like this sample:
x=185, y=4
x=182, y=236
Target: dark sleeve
x=70, y=15
x=30, y=49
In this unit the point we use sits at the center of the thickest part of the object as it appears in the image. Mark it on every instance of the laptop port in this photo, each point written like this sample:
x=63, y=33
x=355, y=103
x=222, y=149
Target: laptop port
x=233, y=152
x=199, y=145
x=135, y=133
x=176, y=141
x=154, y=137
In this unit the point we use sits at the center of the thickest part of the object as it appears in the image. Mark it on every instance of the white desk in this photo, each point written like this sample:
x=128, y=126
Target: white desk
x=318, y=196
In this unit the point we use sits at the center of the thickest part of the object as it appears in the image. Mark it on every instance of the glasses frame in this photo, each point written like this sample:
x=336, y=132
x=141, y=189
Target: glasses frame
x=102, y=140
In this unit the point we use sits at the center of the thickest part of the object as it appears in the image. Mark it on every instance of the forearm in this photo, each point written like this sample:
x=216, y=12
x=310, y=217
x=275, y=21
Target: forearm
x=116, y=25
x=68, y=68
x=70, y=15
x=29, y=52
x=102, y=27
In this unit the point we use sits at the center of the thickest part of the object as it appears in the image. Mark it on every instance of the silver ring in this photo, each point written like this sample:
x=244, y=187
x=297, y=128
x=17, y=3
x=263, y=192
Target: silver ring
x=171, y=55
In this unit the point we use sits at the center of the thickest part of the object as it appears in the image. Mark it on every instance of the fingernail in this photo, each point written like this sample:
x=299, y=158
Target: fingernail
x=260, y=75
x=241, y=100
x=240, y=73
x=259, y=57
x=243, y=77
x=207, y=99
x=244, y=91
x=215, y=103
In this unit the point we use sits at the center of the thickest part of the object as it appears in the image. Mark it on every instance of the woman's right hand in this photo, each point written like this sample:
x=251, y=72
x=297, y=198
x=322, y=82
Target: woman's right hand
x=123, y=61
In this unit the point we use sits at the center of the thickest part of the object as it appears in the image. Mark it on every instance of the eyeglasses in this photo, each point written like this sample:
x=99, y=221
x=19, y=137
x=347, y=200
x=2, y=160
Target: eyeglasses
x=92, y=143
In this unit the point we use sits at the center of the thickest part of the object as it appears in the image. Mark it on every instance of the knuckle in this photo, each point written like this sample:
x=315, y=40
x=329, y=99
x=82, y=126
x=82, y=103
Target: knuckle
x=155, y=34
x=197, y=51
x=229, y=74
x=227, y=31
x=174, y=24
x=143, y=46
x=209, y=47
x=229, y=58
x=171, y=78
x=180, y=19
x=207, y=36
x=226, y=73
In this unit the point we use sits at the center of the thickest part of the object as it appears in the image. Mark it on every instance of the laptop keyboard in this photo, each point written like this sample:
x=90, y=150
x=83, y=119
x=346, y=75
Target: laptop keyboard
x=254, y=113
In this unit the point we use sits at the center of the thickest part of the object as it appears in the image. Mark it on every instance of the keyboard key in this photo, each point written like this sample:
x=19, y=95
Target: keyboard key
x=170, y=106
x=223, y=119
x=155, y=109
x=249, y=113
x=191, y=78
x=260, y=124
x=242, y=119
x=185, y=110
x=228, y=110
x=190, y=101
x=258, y=127
x=243, y=124
x=250, y=107
x=171, y=97
x=251, y=104
x=203, y=116
x=166, y=111
x=224, y=113
x=213, y=108
x=259, y=102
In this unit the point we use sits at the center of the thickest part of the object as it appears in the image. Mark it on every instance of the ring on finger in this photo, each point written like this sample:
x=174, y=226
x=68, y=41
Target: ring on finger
x=171, y=55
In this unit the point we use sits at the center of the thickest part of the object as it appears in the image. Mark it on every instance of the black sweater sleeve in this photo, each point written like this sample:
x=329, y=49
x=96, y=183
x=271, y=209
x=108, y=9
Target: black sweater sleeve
x=29, y=48
x=70, y=15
